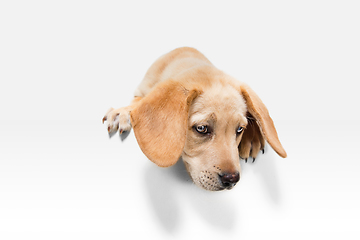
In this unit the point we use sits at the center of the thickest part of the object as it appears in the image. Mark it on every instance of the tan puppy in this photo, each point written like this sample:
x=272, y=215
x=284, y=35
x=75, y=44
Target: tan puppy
x=185, y=107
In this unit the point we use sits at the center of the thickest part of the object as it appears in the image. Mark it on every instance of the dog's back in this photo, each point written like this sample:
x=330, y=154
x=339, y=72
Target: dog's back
x=170, y=65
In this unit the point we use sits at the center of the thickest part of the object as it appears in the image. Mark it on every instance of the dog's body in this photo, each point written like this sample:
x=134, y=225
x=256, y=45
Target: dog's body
x=185, y=107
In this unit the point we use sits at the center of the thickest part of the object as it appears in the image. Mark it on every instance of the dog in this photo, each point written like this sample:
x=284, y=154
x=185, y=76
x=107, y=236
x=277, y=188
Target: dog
x=187, y=108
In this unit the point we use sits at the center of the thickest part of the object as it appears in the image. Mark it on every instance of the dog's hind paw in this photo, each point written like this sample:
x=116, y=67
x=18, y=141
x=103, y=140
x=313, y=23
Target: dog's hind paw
x=117, y=119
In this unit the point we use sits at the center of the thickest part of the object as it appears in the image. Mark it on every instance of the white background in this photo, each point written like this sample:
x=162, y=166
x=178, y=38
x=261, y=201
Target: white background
x=64, y=63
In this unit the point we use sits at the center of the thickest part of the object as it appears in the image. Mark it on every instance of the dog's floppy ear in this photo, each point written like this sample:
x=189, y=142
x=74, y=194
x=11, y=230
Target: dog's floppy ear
x=160, y=122
x=258, y=110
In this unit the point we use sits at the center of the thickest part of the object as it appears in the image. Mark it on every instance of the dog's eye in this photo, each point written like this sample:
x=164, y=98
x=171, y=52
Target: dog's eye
x=201, y=129
x=239, y=130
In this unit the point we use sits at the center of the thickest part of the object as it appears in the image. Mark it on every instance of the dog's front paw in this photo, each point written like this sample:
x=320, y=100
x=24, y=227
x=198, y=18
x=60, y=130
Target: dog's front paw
x=252, y=142
x=118, y=119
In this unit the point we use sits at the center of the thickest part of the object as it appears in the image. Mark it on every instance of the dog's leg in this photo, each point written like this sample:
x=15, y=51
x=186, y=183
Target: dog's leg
x=119, y=119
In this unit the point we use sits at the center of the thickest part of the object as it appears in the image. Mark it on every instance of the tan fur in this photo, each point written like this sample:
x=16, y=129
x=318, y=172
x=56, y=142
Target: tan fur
x=160, y=122
x=183, y=90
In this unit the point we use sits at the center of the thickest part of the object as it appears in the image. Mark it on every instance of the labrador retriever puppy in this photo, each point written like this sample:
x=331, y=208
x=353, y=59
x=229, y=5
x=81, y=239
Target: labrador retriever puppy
x=187, y=108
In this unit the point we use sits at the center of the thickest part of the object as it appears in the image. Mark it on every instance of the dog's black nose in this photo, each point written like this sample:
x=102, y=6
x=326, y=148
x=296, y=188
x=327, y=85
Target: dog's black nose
x=229, y=179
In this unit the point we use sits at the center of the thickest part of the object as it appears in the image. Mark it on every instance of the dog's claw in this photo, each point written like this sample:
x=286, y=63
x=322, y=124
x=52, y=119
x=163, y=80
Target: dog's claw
x=117, y=119
x=263, y=151
x=253, y=160
x=245, y=160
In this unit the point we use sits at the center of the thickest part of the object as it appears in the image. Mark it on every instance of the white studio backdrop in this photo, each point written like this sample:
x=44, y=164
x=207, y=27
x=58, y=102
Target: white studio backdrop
x=64, y=63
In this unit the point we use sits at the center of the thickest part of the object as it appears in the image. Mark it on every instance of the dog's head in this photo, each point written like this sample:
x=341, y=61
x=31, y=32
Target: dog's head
x=206, y=127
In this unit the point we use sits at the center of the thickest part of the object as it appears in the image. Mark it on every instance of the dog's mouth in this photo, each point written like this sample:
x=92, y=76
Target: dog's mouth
x=212, y=181
x=207, y=185
x=214, y=186
x=228, y=186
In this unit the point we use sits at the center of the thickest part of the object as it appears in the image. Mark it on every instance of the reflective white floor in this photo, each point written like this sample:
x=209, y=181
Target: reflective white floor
x=69, y=180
